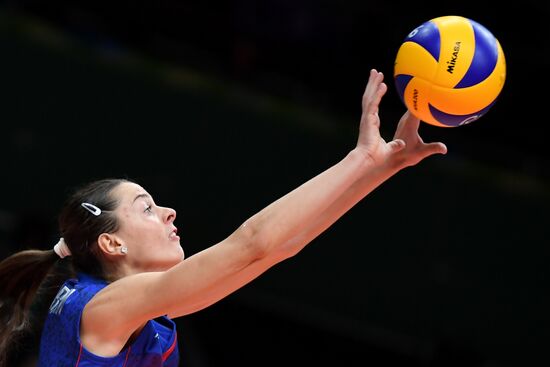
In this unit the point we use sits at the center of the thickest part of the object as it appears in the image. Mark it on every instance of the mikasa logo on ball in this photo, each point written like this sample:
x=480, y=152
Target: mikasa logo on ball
x=451, y=64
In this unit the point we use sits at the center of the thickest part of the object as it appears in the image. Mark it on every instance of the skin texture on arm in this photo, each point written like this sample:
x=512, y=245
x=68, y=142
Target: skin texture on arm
x=275, y=233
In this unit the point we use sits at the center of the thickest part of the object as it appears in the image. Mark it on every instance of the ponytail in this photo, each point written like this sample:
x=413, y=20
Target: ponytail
x=29, y=280
x=21, y=275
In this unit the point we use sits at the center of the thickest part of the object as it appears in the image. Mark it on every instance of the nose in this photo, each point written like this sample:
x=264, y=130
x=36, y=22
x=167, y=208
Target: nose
x=170, y=215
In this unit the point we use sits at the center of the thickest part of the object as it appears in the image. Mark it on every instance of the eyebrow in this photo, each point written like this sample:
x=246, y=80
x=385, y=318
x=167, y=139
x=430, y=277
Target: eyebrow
x=140, y=196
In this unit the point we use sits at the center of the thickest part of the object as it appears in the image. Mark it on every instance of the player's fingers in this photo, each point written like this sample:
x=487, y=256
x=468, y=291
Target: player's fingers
x=434, y=148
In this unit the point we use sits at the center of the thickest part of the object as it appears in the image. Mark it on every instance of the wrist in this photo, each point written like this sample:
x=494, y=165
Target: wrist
x=370, y=168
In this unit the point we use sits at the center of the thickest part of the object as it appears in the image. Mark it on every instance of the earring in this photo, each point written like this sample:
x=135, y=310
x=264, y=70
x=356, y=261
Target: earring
x=124, y=249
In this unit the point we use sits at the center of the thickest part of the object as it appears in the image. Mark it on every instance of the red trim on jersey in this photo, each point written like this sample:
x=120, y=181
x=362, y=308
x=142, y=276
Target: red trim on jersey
x=79, y=354
x=127, y=355
x=166, y=354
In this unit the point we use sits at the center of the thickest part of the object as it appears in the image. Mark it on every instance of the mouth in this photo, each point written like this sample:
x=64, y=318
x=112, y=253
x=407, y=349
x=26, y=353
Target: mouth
x=174, y=234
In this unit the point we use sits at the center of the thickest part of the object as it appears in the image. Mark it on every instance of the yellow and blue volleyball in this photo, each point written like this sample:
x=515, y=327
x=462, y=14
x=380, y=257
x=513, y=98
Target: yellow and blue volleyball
x=449, y=71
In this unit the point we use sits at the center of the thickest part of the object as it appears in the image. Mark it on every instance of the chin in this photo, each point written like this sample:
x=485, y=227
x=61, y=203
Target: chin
x=174, y=258
x=181, y=254
x=178, y=258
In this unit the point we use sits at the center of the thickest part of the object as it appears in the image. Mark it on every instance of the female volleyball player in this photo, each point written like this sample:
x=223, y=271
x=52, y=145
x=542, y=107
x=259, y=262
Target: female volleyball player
x=132, y=278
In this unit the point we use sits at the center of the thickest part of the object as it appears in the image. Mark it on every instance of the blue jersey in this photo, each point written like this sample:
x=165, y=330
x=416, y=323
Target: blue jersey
x=60, y=343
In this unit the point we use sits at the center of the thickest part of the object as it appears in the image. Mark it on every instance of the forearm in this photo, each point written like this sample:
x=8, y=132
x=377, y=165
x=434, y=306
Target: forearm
x=295, y=219
x=339, y=207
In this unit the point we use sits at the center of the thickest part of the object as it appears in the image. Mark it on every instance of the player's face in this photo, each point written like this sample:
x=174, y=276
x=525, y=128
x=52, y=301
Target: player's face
x=147, y=230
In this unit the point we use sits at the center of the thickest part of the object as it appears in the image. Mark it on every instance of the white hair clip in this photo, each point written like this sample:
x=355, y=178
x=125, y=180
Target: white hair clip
x=91, y=208
x=61, y=248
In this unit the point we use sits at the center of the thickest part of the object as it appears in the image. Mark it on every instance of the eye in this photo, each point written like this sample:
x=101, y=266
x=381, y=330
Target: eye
x=148, y=209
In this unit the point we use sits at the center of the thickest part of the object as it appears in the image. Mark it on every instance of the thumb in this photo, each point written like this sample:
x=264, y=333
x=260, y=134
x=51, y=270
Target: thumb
x=435, y=148
x=396, y=145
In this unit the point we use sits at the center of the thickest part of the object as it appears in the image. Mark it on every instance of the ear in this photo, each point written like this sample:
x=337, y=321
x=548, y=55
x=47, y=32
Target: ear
x=109, y=244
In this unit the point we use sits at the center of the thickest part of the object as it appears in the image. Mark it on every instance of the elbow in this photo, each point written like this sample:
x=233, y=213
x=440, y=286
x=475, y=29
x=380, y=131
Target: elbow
x=260, y=244
x=256, y=243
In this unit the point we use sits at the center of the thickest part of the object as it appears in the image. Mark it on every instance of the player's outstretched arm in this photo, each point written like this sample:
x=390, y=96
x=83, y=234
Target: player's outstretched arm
x=284, y=227
x=307, y=211
x=275, y=233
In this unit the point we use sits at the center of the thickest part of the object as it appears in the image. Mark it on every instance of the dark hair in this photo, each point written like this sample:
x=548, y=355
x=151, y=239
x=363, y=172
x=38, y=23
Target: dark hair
x=80, y=228
x=23, y=275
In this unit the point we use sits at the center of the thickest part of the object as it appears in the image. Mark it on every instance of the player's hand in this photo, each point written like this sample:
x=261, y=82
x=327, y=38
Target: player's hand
x=407, y=147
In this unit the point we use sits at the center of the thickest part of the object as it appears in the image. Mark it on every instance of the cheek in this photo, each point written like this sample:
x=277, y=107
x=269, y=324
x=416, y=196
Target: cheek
x=146, y=237
x=152, y=240
x=148, y=227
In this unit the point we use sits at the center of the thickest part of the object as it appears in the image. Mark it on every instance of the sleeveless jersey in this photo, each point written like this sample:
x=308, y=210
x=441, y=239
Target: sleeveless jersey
x=60, y=345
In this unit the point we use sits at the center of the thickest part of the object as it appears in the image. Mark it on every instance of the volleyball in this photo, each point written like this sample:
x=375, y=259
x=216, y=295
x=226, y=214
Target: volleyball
x=449, y=71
